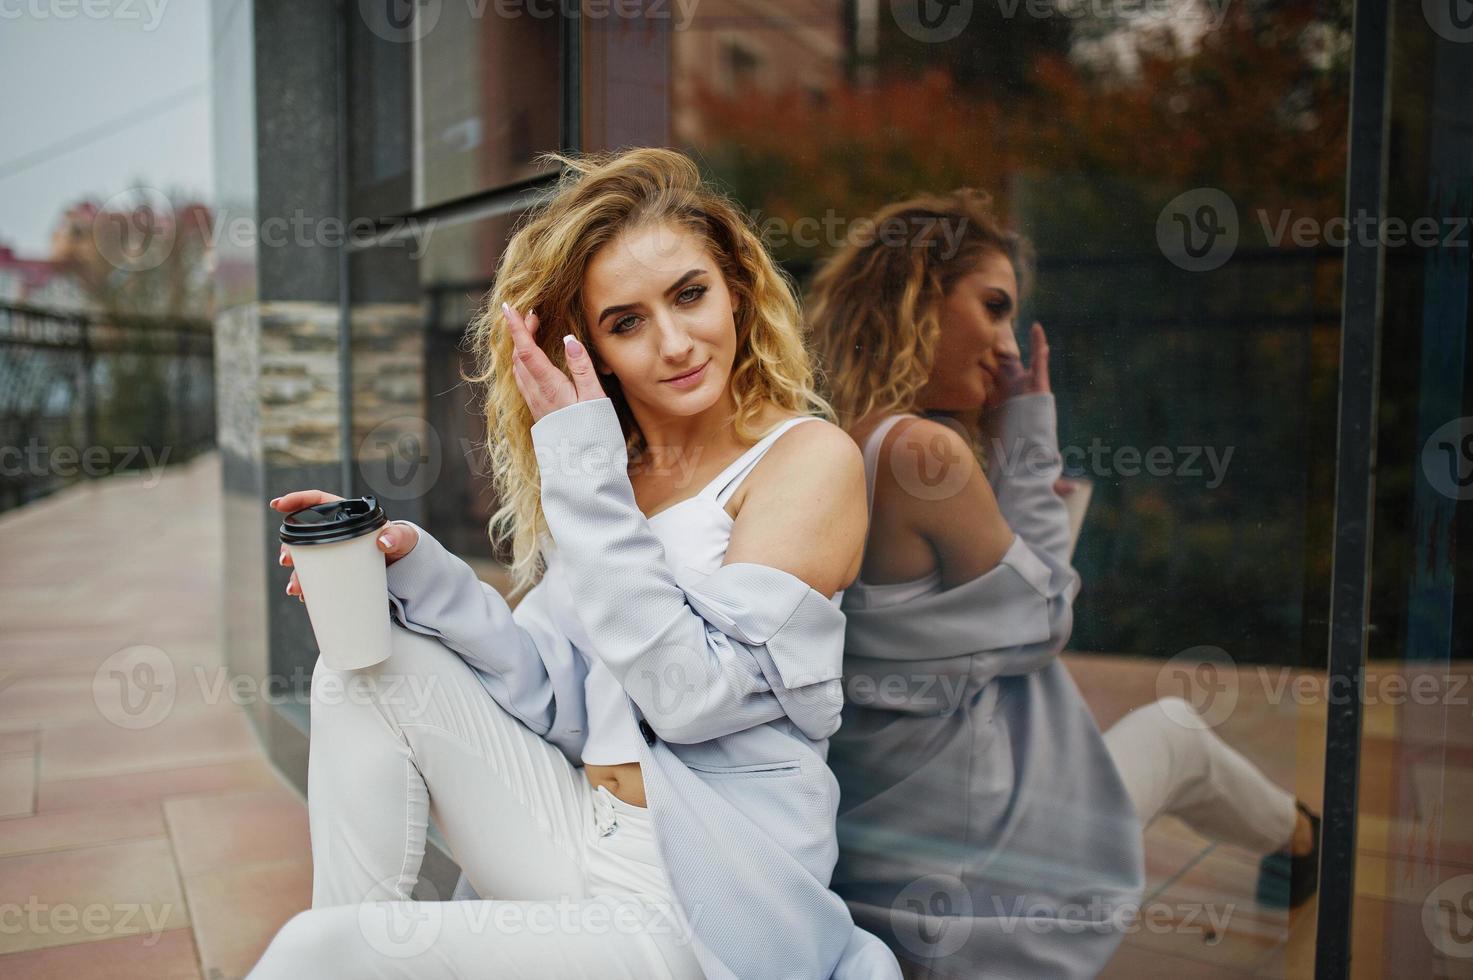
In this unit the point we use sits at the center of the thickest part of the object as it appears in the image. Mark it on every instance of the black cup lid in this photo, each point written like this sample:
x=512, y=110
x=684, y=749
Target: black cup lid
x=336, y=520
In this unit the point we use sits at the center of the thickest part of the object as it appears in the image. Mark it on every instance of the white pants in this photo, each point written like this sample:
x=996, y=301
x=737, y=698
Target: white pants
x=575, y=883
x=1171, y=761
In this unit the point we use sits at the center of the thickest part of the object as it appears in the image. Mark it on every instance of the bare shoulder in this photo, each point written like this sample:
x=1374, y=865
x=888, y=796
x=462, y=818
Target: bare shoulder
x=808, y=456
x=928, y=435
x=803, y=507
x=923, y=449
x=819, y=435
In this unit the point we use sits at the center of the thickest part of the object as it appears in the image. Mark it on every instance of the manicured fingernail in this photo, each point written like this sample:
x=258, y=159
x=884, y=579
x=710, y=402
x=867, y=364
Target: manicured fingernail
x=281, y=558
x=274, y=500
x=571, y=344
x=288, y=588
x=385, y=540
x=506, y=308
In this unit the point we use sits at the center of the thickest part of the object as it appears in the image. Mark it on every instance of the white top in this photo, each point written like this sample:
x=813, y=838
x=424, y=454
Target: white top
x=695, y=533
x=862, y=596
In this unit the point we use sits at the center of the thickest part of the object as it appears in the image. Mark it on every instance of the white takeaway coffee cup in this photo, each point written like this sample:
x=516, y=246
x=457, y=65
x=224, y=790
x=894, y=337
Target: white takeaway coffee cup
x=342, y=575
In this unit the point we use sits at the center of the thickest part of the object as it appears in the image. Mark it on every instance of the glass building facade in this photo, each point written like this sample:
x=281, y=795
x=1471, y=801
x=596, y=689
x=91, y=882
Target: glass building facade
x=1251, y=221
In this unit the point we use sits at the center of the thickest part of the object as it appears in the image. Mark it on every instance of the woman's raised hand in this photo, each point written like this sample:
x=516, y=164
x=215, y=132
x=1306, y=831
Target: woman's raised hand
x=1018, y=379
x=545, y=388
x=396, y=539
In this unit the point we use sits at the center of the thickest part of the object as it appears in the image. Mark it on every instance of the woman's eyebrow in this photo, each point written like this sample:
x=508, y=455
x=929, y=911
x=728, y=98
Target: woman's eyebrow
x=687, y=277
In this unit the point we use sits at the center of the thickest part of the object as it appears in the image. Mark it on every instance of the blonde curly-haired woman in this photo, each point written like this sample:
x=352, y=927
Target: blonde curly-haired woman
x=987, y=827
x=630, y=767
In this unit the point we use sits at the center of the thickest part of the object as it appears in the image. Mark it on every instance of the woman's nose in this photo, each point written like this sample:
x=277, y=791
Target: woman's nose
x=675, y=340
x=1006, y=344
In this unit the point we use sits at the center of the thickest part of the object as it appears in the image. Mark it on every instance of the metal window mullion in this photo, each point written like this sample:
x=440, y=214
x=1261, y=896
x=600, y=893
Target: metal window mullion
x=1355, y=462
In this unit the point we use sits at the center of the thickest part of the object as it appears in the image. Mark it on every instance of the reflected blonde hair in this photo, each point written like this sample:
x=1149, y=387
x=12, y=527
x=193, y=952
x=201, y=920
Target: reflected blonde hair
x=598, y=197
x=875, y=306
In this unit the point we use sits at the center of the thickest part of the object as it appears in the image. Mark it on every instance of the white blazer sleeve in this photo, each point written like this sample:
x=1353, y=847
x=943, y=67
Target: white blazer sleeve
x=701, y=657
x=1024, y=465
x=528, y=664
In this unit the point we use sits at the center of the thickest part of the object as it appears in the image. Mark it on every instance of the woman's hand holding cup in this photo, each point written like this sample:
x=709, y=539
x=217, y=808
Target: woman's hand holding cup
x=396, y=540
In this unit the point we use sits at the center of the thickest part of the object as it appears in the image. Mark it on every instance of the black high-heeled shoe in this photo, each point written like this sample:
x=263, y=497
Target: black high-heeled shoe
x=1287, y=880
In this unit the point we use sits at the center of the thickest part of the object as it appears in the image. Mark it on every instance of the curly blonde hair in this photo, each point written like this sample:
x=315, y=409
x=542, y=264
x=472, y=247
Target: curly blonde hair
x=598, y=197
x=875, y=305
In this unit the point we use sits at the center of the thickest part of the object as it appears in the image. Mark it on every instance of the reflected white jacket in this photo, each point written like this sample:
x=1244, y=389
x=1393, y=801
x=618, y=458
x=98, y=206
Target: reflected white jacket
x=959, y=699
x=733, y=676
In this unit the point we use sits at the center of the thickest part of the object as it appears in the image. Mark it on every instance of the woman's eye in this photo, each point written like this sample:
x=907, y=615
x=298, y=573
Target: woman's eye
x=690, y=294
x=627, y=320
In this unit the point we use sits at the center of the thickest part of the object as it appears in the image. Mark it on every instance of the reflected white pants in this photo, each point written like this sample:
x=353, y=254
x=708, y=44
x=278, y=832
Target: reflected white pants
x=575, y=883
x=1171, y=761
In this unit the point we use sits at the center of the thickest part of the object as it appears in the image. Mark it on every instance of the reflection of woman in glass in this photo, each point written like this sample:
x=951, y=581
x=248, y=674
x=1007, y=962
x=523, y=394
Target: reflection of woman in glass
x=986, y=827
x=630, y=767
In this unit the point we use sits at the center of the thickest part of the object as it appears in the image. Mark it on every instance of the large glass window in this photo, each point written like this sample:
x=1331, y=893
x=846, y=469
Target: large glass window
x=448, y=105
x=1413, y=907
x=487, y=96
x=1162, y=160
x=1181, y=170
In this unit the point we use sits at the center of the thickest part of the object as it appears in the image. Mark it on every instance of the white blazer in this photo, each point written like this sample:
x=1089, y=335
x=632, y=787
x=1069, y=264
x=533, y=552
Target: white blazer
x=734, y=679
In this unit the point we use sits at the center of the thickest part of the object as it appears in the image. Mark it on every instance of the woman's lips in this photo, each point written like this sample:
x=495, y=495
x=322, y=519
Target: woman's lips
x=688, y=380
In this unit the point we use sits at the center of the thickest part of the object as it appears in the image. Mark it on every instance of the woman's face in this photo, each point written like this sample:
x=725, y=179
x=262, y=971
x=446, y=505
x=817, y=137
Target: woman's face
x=977, y=318
x=658, y=308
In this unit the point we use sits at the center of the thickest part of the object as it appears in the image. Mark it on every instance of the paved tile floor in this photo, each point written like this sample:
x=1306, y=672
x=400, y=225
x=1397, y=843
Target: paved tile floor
x=139, y=843
x=156, y=846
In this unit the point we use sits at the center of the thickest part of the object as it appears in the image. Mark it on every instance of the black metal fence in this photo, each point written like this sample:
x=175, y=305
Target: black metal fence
x=84, y=396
